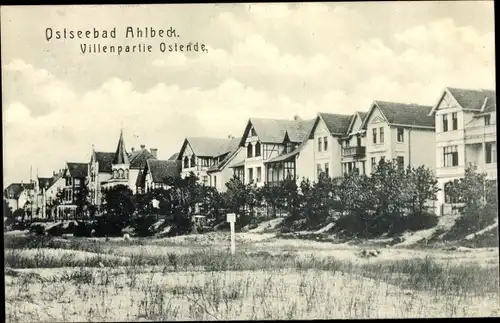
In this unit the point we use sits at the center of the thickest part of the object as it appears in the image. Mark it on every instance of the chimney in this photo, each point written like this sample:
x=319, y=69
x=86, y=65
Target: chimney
x=296, y=117
x=53, y=173
x=230, y=137
x=132, y=149
x=154, y=152
x=143, y=146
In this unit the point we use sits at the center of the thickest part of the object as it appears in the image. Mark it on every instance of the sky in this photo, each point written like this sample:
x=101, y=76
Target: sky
x=268, y=60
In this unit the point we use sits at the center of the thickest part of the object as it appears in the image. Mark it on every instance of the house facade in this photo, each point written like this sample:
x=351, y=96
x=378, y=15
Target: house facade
x=75, y=177
x=155, y=174
x=400, y=132
x=328, y=131
x=107, y=169
x=202, y=156
x=19, y=195
x=465, y=136
x=270, y=150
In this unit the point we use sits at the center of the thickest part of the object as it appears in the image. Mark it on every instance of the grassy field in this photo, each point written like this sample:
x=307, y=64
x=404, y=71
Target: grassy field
x=195, y=278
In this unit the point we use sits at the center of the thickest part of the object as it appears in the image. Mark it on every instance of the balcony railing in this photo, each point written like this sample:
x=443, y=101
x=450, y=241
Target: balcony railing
x=355, y=151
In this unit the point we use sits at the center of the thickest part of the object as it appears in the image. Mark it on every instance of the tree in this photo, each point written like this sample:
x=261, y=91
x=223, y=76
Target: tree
x=82, y=199
x=119, y=205
x=7, y=211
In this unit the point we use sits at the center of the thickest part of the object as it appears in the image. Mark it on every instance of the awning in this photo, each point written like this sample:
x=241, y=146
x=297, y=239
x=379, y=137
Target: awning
x=284, y=157
x=239, y=164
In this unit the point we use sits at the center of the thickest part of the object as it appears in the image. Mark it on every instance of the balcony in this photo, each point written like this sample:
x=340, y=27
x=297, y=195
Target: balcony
x=478, y=134
x=355, y=151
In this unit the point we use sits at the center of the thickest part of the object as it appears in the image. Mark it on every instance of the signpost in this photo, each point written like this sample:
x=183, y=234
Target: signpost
x=231, y=218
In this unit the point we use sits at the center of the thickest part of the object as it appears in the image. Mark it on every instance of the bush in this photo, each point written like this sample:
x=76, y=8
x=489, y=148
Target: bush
x=142, y=225
x=83, y=229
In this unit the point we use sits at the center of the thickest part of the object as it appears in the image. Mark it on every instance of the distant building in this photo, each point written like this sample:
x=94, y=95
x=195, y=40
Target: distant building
x=19, y=195
x=400, y=132
x=202, y=155
x=108, y=169
x=155, y=174
x=75, y=176
x=465, y=136
x=274, y=150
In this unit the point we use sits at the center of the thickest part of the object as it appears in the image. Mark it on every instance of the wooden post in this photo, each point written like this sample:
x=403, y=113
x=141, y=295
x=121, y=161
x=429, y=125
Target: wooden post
x=231, y=218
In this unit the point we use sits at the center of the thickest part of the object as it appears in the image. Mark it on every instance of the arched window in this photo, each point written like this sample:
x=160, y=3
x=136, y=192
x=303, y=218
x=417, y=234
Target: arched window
x=257, y=149
x=186, y=162
x=115, y=173
x=193, y=161
x=126, y=173
x=120, y=173
x=249, y=151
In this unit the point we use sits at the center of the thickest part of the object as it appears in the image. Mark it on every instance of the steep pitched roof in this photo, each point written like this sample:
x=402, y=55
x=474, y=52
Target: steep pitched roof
x=79, y=170
x=174, y=156
x=336, y=123
x=14, y=190
x=162, y=169
x=138, y=158
x=404, y=114
x=474, y=99
x=274, y=130
x=233, y=147
x=121, y=156
x=208, y=147
x=105, y=159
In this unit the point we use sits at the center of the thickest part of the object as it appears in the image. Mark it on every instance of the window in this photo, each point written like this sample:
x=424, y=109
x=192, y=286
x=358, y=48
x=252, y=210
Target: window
x=347, y=143
x=250, y=174
x=186, y=162
x=257, y=149
x=77, y=182
x=327, y=169
x=450, y=156
x=448, y=197
x=491, y=152
x=205, y=180
x=253, y=133
x=215, y=181
x=325, y=143
x=381, y=135
x=320, y=145
x=349, y=167
x=445, y=122
x=249, y=151
x=259, y=174
x=126, y=173
x=374, y=162
x=115, y=173
x=204, y=162
x=401, y=161
x=374, y=135
x=487, y=119
x=318, y=169
x=454, y=121
x=363, y=167
x=401, y=135
x=193, y=161
x=121, y=174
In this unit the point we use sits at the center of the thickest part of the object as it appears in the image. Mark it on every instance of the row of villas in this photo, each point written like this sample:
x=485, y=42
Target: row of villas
x=458, y=131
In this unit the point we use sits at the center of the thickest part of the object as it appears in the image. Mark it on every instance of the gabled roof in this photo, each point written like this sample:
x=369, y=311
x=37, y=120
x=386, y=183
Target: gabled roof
x=361, y=116
x=480, y=100
x=105, y=159
x=138, y=158
x=337, y=124
x=208, y=147
x=159, y=170
x=121, y=156
x=403, y=114
x=174, y=156
x=283, y=157
x=79, y=170
x=14, y=190
x=274, y=130
x=233, y=147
